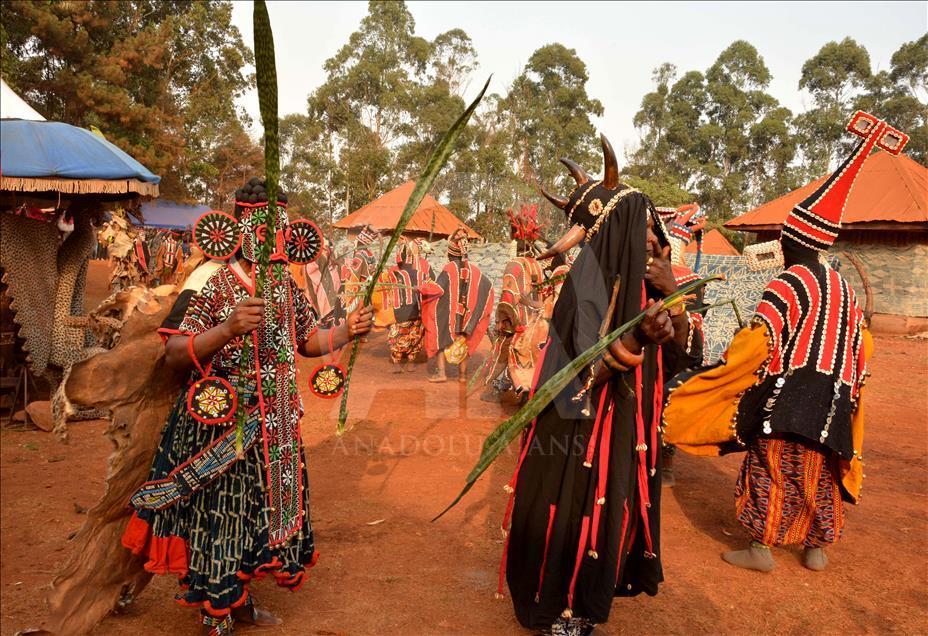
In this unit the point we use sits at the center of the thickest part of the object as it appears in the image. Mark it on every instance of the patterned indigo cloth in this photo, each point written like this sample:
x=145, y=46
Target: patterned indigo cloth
x=225, y=530
x=740, y=285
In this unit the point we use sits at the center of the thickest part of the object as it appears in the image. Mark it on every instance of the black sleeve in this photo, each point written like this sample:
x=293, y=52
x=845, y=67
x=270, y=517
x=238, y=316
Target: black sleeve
x=178, y=311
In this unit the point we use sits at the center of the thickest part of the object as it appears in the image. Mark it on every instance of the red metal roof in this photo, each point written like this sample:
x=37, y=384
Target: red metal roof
x=384, y=212
x=888, y=189
x=714, y=242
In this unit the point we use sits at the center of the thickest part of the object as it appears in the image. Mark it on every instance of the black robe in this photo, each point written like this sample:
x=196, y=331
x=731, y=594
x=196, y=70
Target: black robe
x=560, y=504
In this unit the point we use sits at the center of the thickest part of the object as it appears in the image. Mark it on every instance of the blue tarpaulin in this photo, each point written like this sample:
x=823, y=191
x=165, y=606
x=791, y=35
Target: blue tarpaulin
x=54, y=150
x=168, y=214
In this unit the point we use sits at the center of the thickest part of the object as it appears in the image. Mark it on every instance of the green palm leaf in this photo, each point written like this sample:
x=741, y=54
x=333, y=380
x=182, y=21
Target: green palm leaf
x=266, y=72
x=435, y=163
x=497, y=441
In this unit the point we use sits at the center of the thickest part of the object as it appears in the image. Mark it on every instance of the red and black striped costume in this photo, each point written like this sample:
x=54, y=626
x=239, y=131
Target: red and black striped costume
x=410, y=274
x=788, y=390
x=459, y=302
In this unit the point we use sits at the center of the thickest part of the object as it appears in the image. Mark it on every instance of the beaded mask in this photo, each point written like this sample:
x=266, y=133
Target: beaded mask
x=220, y=235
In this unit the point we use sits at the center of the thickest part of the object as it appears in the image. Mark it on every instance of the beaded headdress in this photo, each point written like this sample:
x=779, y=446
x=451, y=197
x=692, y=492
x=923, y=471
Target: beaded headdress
x=220, y=235
x=814, y=223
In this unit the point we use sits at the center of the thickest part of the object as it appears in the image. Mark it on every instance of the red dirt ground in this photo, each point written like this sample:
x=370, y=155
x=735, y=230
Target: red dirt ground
x=385, y=569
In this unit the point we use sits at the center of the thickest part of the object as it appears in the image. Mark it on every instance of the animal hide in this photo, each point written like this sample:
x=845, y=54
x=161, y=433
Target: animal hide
x=68, y=341
x=28, y=253
x=131, y=382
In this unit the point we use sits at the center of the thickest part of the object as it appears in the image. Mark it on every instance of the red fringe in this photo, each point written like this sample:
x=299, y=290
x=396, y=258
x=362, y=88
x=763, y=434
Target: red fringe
x=603, y=477
x=544, y=559
x=165, y=554
x=169, y=555
x=581, y=546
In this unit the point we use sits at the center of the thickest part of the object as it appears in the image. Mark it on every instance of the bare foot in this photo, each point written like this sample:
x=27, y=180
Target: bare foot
x=755, y=557
x=438, y=378
x=815, y=559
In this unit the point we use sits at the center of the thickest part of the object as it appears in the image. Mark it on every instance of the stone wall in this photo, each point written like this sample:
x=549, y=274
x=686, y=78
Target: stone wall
x=896, y=264
x=897, y=270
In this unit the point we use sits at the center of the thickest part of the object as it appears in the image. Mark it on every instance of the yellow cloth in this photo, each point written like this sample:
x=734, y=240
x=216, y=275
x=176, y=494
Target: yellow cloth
x=380, y=301
x=700, y=412
x=852, y=472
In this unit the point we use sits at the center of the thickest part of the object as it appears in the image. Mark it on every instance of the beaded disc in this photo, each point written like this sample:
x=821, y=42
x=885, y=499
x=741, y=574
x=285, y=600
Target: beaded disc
x=217, y=234
x=327, y=380
x=304, y=242
x=212, y=400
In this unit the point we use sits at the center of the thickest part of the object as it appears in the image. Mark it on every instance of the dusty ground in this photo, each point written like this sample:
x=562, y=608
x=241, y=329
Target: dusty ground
x=406, y=458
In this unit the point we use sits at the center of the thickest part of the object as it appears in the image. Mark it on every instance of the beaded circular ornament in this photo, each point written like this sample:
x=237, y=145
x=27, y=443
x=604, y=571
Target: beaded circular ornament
x=217, y=234
x=327, y=380
x=211, y=399
x=304, y=241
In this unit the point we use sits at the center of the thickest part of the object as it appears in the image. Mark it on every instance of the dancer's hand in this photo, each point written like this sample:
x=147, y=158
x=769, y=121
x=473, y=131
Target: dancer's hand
x=245, y=318
x=656, y=326
x=360, y=321
x=658, y=271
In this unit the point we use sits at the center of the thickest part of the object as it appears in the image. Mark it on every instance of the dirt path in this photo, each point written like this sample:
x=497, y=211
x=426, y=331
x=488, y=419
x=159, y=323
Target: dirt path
x=385, y=569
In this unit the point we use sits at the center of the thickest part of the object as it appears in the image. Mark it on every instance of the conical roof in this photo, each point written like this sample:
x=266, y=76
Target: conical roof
x=889, y=190
x=384, y=212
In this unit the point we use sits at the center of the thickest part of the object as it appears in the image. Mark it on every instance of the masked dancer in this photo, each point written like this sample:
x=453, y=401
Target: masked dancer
x=788, y=392
x=407, y=278
x=456, y=310
x=584, y=520
x=215, y=518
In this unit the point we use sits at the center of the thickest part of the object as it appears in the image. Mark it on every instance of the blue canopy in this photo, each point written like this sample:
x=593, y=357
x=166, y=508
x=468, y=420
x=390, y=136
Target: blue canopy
x=50, y=155
x=169, y=214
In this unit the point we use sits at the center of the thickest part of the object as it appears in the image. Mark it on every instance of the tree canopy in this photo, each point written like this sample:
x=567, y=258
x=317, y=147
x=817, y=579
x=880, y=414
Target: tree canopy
x=162, y=80
x=159, y=79
x=718, y=136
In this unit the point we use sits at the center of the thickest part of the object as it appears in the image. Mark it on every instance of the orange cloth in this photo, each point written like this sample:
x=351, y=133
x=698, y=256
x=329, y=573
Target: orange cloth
x=381, y=302
x=297, y=272
x=700, y=412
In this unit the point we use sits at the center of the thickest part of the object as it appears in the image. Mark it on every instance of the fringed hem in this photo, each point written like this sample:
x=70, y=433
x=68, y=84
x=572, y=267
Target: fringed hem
x=166, y=555
x=80, y=186
x=208, y=608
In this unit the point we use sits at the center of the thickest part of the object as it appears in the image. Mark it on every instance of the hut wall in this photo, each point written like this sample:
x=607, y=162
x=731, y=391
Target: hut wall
x=896, y=264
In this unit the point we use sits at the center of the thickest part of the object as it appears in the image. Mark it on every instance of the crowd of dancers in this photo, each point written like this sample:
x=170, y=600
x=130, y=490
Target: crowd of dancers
x=225, y=504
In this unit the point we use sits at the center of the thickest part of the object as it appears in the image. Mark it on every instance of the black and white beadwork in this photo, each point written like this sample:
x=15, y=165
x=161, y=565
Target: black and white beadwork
x=304, y=241
x=217, y=234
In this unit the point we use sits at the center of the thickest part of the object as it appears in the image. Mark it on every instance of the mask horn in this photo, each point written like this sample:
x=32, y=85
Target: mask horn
x=557, y=201
x=578, y=173
x=610, y=165
x=573, y=236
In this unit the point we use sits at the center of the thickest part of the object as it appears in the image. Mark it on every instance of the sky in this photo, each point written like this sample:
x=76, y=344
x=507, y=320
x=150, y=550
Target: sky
x=621, y=43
